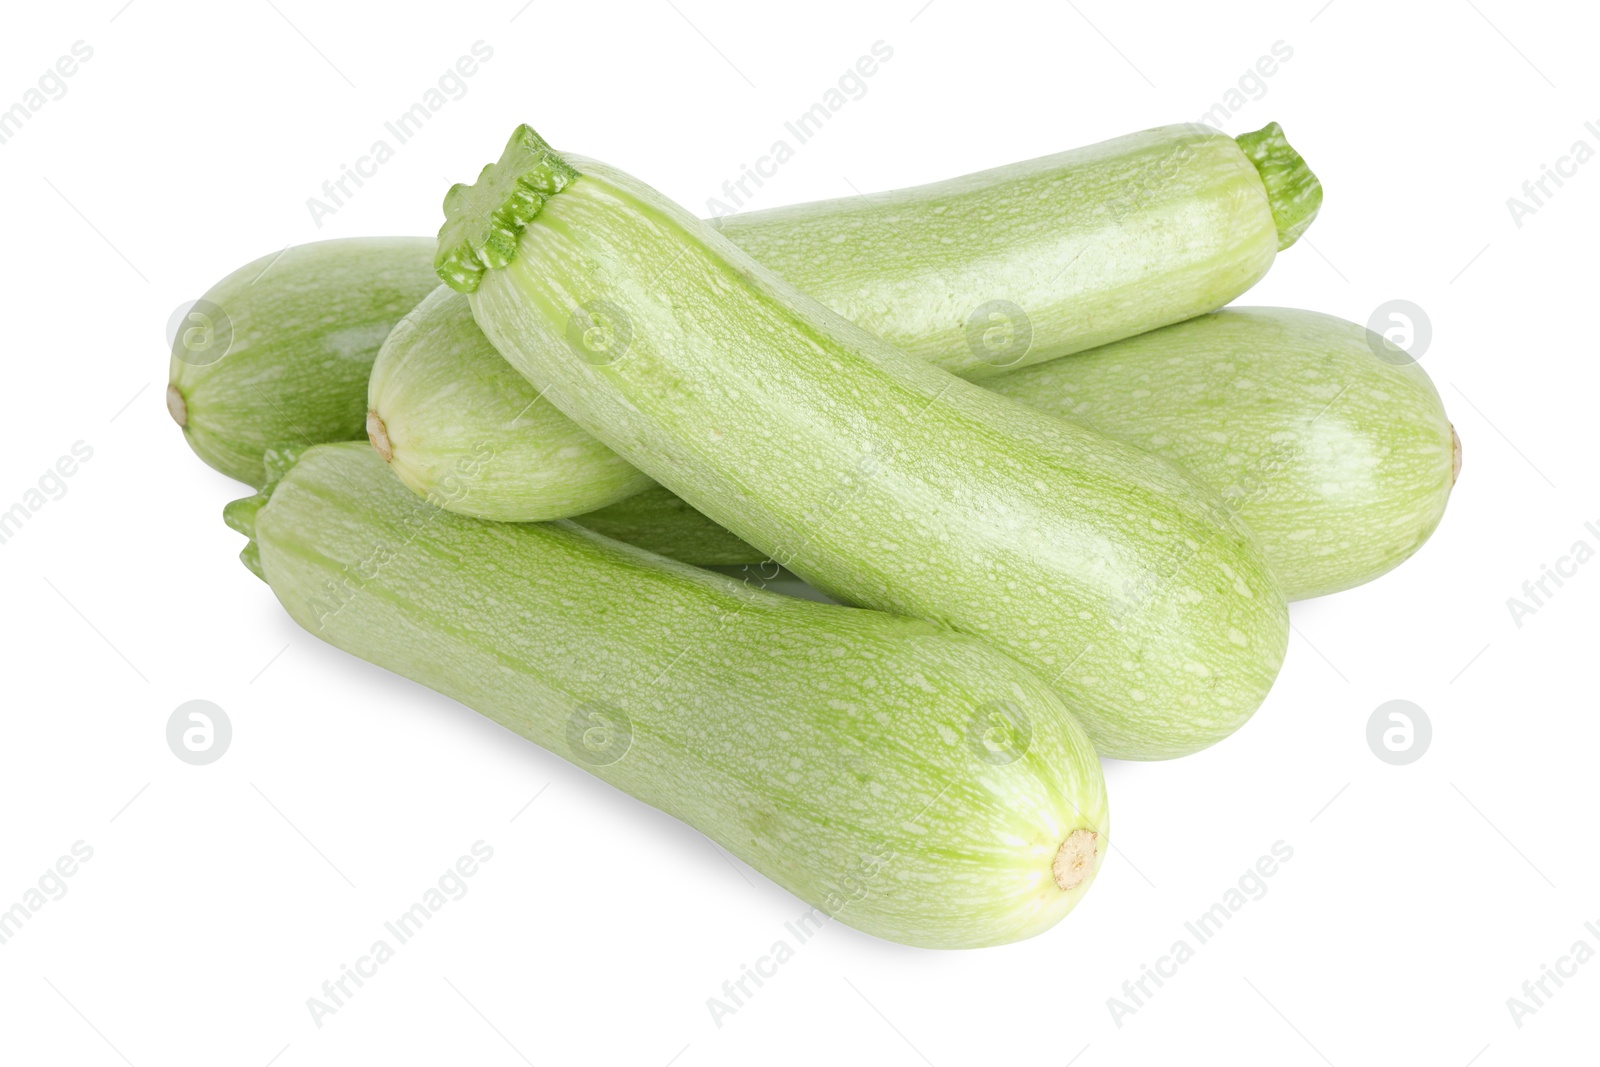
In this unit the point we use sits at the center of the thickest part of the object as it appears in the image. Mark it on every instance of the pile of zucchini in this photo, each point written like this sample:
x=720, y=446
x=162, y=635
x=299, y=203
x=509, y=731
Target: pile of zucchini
x=1060, y=498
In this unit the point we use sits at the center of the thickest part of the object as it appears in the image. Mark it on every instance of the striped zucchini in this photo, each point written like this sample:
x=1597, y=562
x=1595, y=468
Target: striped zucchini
x=880, y=479
x=911, y=782
x=279, y=351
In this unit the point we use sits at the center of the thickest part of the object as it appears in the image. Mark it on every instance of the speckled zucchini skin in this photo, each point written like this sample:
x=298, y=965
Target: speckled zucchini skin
x=913, y=782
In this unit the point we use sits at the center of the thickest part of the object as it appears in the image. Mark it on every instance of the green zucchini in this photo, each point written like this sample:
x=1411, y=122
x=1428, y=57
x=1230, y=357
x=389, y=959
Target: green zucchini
x=465, y=430
x=279, y=351
x=1035, y=260
x=1002, y=268
x=1339, y=461
x=878, y=478
x=911, y=782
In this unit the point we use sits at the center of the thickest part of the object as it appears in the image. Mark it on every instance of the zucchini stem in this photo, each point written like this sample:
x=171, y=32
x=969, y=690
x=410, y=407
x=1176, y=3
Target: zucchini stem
x=1293, y=191
x=240, y=515
x=1075, y=859
x=483, y=221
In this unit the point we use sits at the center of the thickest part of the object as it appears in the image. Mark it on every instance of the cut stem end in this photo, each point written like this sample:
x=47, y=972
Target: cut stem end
x=1075, y=859
x=483, y=221
x=378, y=434
x=177, y=407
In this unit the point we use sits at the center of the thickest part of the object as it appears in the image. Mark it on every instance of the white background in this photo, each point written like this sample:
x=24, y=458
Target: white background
x=219, y=898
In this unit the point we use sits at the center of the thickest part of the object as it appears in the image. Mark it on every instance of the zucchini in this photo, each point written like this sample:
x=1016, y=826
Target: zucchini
x=1035, y=260
x=278, y=352
x=1340, y=462
x=878, y=478
x=465, y=430
x=911, y=782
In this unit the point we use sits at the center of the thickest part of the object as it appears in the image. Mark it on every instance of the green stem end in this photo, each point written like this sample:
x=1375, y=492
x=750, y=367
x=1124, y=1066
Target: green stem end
x=1293, y=191
x=483, y=221
x=240, y=515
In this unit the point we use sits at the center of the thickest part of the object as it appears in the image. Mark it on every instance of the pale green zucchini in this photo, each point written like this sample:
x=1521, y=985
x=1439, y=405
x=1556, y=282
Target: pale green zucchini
x=1002, y=268
x=1340, y=462
x=460, y=426
x=878, y=478
x=1034, y=260
x=911, y=782
x=278, y=352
